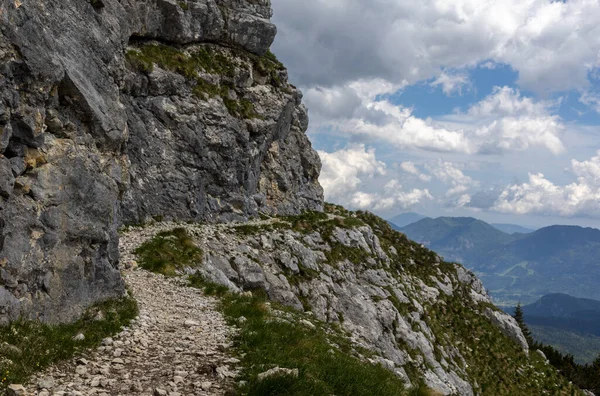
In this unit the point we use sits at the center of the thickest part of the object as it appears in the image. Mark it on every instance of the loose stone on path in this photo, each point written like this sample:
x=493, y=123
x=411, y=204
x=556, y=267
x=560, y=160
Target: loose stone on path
x=174, y=347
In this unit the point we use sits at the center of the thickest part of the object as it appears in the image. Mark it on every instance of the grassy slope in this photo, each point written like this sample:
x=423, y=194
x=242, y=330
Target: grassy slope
x=494, y=361
x=274, y=336
x=39, y=346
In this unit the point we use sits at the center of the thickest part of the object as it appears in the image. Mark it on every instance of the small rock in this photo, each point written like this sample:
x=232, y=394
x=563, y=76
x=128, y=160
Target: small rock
x=95, y=382
x=16, y=390
x=177, y=379
x=79, y=337
x=308, y=324
x=81, y=370
x=46, y=383
x=8, y=349
x=278, y=371
x=160, y=392
x=44, y=392
x=82, y=362
x=137, y=387
x=224, y=372
x=107, y=341
x=206, y=385
x=190, y=323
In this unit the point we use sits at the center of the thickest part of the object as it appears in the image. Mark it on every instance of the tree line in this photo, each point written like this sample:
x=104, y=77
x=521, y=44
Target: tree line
x=585, y=376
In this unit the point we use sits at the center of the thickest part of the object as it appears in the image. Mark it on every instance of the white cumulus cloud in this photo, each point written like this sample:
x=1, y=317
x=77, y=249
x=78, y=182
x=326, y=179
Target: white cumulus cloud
x=345, y=171
x=504, y=121
x=453, y=82
x=450, y=174
x=552, y=44
x=541, y=196
x=410, y=168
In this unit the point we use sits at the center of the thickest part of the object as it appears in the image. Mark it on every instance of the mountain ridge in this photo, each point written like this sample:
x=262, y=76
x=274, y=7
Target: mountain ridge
x=518, y=266
x=512, y=228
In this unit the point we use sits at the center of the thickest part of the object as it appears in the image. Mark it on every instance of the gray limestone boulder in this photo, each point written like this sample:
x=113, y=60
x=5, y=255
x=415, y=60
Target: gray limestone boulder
x=509, y=327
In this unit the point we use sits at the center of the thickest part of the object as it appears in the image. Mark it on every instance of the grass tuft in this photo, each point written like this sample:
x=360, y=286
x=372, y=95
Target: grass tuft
x=40, y=345
x=168, y=252
x=210, y=288
x=206, y=60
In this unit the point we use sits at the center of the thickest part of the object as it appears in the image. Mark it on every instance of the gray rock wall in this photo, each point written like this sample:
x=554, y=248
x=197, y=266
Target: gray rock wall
x=89, y=140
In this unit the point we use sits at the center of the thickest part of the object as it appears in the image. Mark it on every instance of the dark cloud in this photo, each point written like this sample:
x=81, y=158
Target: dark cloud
x=331, y=42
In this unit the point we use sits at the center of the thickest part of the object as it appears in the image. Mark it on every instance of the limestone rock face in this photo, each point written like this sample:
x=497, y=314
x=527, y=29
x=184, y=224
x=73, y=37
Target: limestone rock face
x=421, y=317
x=119, y=111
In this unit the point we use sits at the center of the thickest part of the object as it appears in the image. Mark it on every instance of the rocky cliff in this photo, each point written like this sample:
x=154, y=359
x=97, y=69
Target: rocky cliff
x=117, y=111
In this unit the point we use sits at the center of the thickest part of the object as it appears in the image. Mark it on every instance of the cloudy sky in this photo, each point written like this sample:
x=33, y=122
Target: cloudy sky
x=484, y=108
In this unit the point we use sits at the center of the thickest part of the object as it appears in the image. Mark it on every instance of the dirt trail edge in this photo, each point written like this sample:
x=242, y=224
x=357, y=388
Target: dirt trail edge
x=176, y=346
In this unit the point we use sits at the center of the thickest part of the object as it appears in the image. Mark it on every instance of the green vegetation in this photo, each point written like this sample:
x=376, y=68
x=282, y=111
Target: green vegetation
x=184, y=5
x=205, y=59
x=28, y=347
x=168, y=252
x=210, y=288
x=521, y=322
x=241, y=108
x=268, y=66
x=585, y=376
x=341, y=252
x=324, y=359
x=583, y=347
x=307, y=222
x=458, y=322
x=271, y=57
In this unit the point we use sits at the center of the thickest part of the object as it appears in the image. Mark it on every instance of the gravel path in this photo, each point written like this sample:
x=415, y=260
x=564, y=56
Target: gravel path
x=177, y=345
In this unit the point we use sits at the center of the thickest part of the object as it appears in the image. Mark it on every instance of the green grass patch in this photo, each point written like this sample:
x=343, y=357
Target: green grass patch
x=39, y=345
x=323, y=369
x=168, y=252
x=210, y=288
x=341, y=252
x=205, y=59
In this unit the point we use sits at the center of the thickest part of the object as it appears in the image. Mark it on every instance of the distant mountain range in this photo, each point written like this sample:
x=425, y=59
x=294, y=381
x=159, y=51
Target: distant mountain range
x=518, y=266
x=405, y=219
x=511, y=228
x=570, y=324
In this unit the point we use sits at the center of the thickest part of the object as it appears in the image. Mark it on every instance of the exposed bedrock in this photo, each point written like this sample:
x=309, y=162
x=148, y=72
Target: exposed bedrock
x=115, y=112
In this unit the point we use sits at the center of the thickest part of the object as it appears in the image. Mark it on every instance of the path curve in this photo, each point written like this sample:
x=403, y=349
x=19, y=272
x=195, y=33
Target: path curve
x=176, y=346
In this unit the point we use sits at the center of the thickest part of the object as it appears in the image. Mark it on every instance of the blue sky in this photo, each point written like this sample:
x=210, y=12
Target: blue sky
x=484, y=108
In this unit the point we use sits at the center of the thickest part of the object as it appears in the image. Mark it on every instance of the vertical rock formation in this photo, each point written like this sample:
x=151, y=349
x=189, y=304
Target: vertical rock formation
x=120, y=111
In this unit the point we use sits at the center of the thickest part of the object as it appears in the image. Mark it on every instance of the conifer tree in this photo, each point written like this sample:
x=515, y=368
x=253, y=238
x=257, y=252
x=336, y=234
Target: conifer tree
x=521, y=322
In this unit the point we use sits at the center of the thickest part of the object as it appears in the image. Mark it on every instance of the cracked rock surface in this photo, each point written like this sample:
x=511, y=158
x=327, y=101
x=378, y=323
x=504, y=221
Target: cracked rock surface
x=120, y=111
x=374, y=292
